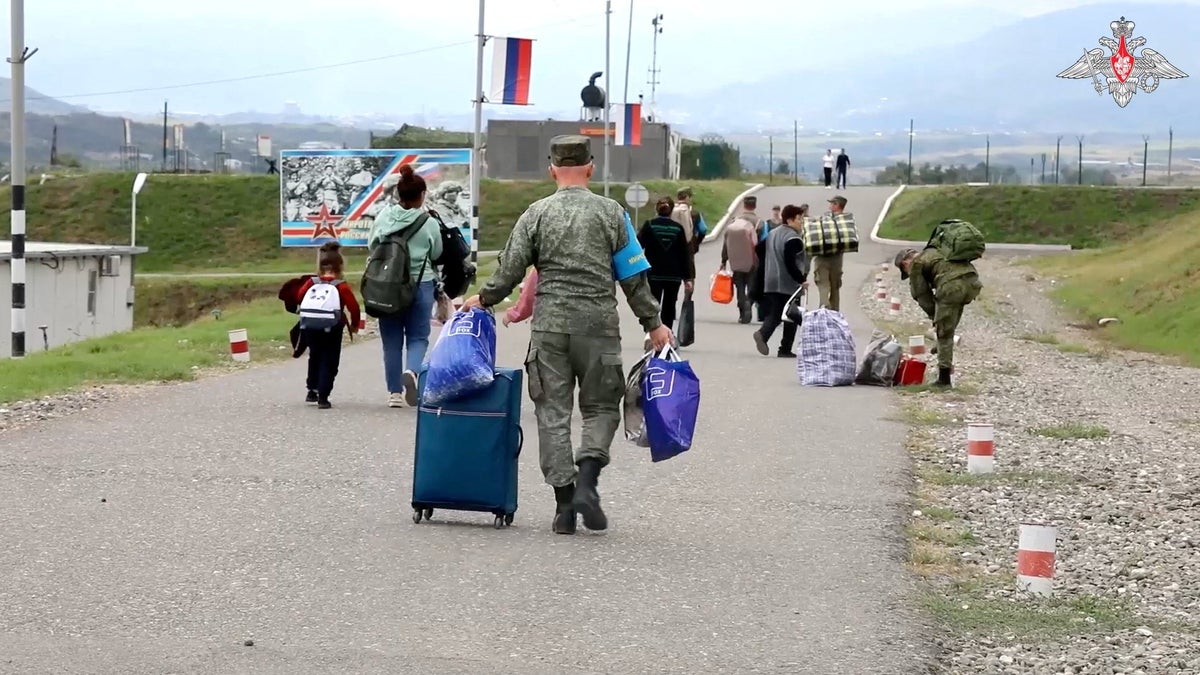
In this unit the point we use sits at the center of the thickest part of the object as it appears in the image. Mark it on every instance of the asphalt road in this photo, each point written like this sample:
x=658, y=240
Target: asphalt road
x=157, y=534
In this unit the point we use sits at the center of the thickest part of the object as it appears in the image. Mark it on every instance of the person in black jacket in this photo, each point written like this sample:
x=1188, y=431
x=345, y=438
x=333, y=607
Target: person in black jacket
x=672, y=260
x=785, y=271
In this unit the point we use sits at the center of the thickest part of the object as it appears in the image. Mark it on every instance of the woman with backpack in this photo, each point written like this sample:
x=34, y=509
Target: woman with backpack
x=415, y=238
x=322, y=302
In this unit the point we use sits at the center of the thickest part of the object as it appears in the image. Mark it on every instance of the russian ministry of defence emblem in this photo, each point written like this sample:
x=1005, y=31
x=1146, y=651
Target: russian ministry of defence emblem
x=1123, y=72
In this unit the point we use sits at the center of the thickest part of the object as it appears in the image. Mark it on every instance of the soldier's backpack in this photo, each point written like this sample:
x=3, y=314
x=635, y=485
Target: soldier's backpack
x=321, y=306
x=388, y=287
x=957, y=240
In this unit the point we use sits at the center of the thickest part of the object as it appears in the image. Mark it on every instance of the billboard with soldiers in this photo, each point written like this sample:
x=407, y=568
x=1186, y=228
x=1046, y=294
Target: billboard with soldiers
x=335, y=194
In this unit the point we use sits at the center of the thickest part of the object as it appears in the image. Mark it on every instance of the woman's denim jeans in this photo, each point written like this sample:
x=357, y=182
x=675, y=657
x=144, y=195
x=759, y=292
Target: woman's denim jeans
x=410, y=331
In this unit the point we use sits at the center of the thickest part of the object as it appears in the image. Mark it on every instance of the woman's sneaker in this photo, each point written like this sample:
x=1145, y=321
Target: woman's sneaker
x=396, y=401
x=410, y=388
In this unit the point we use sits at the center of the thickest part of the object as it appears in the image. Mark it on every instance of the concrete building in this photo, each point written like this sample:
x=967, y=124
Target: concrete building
x=520, y=149
x=77, y=291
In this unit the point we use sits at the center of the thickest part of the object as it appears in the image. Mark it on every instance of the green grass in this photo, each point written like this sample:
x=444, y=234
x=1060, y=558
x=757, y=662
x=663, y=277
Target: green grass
x=1151, y=283
x=151, y=354
x=1072, y=430
x=916, y=415
x=1030, y=619
x=943, y=477
x=231, y=222
x=1084, y=217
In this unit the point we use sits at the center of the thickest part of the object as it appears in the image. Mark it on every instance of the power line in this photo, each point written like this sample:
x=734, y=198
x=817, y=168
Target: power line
x=281, y=73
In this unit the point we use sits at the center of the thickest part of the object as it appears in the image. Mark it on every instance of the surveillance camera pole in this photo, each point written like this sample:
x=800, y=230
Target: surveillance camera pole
x=20, y=54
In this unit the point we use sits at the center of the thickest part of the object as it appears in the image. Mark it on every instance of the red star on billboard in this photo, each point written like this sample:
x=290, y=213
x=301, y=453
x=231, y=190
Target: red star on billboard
x=323, y=224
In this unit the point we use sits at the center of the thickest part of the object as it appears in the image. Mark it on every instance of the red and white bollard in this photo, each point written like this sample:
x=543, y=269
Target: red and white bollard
x=881, y=294
x=239, y=345
x=981, y=448
x=886, y=267
x=1035, y=558
x=879, y=278
x=916, y=345
x=894, y=309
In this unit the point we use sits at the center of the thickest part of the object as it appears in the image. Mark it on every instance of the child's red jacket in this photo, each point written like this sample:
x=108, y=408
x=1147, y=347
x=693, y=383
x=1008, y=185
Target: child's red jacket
x=349, y=302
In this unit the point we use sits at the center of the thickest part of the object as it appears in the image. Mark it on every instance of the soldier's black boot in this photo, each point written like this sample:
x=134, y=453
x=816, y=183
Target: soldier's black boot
x=564, y=512
x=944, y=377
x=587, y=499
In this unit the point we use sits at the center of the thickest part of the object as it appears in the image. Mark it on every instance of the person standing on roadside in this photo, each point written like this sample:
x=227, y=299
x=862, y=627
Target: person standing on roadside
x=785, y=271
x=843, y=165
x=737, y=251
x=672, y=262
x=828, y=161
x=572, y=237
x=827, y=269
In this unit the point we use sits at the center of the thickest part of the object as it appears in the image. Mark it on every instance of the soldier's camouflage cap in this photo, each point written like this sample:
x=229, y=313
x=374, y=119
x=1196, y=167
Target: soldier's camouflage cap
x=900, y=257
x=570, y=150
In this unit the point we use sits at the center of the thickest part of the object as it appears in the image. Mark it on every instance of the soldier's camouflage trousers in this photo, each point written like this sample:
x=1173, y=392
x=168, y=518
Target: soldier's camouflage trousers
x=951, y=298
x=554, y=364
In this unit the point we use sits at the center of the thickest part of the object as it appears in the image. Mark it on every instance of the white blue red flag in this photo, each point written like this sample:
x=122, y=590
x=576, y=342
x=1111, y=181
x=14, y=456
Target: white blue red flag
x=511, y=65
x=629, y=124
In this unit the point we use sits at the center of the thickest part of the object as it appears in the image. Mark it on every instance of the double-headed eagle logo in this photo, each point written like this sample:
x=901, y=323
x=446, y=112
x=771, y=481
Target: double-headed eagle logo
x=1123, y=71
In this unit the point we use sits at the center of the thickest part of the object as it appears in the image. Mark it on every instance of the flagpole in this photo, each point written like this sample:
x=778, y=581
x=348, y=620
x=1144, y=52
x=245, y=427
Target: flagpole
x=607, y=88
x=628, y=51
x=476, y=197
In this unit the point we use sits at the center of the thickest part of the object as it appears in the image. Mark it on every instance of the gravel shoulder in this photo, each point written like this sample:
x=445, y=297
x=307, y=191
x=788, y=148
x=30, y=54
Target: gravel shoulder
x=1100, y=443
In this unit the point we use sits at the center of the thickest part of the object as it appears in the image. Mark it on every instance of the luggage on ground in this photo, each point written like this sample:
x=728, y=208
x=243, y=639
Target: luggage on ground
x=463, y=359
x=670, y=404
x=635, y=419
x=388, y=287
x=687, y=321
x=910, y=372
x=321, y=306
x=466, y=451
x=721, y=288
x=880, y=361
x=827, y=357
x=830, y=234
x=957, y=240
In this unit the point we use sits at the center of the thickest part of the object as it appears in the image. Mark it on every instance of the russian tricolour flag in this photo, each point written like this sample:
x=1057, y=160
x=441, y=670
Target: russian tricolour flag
x=629, y=124
x=511, y=64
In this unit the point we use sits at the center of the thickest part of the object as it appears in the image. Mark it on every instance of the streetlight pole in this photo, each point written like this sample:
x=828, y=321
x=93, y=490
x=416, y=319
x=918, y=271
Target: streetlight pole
x=1043, y=168
x=1080, y=139
x=20, y=54
x=1145, y=156
x=1170, y=147
x=987, y=161
x=477, y=141
x=771, y=160
x=910, y=142
x=1031, y=171
x=1057, y=150
x=607, y=90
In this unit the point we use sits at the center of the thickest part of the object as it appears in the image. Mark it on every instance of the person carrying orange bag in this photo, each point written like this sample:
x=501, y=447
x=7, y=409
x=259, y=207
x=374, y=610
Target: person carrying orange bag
x=721, y=290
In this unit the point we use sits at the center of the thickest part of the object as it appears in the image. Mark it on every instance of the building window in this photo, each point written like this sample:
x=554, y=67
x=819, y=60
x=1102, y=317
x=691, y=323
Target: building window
x=93, y=281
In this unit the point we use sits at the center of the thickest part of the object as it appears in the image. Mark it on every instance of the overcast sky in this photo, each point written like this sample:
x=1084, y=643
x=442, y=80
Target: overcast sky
x=119, y=45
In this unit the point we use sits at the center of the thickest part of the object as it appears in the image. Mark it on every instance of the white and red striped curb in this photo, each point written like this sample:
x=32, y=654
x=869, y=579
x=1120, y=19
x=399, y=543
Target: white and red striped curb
x=239, y=345
x=981, y=448
x=1035, y=558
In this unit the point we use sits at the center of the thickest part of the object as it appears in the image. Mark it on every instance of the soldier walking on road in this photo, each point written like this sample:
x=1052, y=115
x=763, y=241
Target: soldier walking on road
x=571, y=238
x=956, y=284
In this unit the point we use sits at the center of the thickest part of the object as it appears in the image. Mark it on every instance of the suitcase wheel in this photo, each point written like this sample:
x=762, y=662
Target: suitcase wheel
x=419, y=513
x=503, y=520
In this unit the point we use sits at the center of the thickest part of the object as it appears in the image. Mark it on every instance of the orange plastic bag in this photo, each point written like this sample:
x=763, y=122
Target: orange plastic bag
x=721, y=290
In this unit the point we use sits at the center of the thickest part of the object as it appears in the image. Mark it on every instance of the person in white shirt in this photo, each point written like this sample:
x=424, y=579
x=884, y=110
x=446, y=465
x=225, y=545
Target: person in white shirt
x=828, y=161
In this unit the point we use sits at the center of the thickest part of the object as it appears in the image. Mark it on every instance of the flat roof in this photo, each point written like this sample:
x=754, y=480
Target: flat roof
x=51, y=249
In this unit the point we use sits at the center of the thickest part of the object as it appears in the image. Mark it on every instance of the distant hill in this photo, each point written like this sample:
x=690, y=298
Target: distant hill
x=1005, y=79
x=36, y=101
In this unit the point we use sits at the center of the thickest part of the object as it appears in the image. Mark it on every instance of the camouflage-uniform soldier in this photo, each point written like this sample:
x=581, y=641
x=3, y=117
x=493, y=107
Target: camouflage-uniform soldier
x=956, y=285
x=570, y=237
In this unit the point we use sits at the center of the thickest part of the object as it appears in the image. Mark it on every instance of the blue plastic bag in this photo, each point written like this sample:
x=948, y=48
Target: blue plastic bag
x=631, y=259
x=464, y=359
x=670, y=404
x=702, y=227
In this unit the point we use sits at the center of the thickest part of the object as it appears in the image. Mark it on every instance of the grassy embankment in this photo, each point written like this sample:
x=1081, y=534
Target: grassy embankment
x=211, y=224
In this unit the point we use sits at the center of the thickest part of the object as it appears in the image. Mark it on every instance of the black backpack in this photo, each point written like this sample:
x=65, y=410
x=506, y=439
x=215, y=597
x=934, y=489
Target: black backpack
x=457, y=271
x=388, y=287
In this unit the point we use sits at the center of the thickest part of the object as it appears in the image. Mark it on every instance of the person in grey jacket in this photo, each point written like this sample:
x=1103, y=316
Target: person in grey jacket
x=785, y=271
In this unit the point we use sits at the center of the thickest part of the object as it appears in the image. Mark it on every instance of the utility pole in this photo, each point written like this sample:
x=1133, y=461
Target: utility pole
x=770, y=160
x=653, y=81
x=20, y=54
x=1080, y=138
x=987, y=161
x=910, y=141
x=164, y=166
x=1031, y=171
x=1145, y=156
x=1043, y=168
x=1170, y=147
x=607, y=90
x=795, y=152
x=477, y=138
x=1057, y=169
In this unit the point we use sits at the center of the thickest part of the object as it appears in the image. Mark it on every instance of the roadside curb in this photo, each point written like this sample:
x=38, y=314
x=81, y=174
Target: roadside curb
x=887, y=205
x=733, y=206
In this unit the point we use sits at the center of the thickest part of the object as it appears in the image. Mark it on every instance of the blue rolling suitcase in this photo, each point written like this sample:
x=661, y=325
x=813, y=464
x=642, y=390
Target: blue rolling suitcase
x=466, y=451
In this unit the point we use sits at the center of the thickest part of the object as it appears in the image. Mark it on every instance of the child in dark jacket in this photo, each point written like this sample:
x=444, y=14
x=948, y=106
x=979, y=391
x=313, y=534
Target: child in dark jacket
x=322, y=321
x=671, y=257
